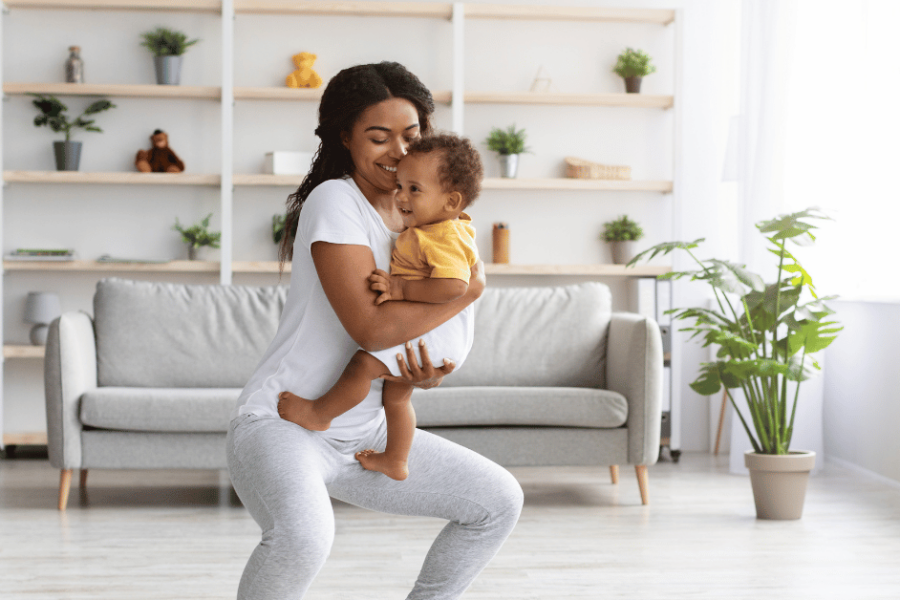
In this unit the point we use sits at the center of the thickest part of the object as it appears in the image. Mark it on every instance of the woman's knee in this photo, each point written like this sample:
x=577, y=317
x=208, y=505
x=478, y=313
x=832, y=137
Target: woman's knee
x=502, y=501
x=301, y=542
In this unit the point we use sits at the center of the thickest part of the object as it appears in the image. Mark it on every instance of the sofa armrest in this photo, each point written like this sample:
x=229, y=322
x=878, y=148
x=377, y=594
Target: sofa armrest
x=70, y=370
x=634, y=368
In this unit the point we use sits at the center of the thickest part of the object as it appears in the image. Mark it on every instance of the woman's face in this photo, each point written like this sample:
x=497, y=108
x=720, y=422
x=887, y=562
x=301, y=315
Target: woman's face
x=378, y=141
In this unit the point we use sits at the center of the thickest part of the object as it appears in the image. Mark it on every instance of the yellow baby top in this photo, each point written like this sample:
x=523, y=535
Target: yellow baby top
x=444, y=250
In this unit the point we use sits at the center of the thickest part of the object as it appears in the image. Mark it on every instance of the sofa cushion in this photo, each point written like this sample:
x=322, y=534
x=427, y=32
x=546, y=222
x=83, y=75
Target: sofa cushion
x=538, y=336
x=173, y=335
x=519, y=406
x=159, y=409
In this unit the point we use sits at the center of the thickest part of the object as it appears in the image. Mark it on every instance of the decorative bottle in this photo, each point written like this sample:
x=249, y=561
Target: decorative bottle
x=74, y=66
x=501, y=243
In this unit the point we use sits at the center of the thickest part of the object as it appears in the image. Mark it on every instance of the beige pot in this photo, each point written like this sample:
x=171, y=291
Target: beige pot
x=779, y=482
x=623, y=252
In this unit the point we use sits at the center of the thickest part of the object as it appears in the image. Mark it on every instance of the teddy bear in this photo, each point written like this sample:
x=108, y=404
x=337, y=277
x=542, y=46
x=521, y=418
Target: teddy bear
x=160, y=158
x=304, y=76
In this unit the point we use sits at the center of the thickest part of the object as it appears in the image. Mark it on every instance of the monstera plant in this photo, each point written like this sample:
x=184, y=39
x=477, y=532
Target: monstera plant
x=767, y=335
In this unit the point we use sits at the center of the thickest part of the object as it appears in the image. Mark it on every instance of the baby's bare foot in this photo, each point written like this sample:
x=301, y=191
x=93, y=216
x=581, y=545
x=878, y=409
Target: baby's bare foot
x=298, y=410
x=379, y=461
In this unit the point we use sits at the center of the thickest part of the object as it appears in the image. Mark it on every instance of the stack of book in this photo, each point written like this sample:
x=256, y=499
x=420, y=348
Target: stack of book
x=41, y=254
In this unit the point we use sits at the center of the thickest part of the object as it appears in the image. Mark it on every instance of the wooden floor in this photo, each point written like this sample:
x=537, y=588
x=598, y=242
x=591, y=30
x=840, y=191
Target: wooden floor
x=183, y=535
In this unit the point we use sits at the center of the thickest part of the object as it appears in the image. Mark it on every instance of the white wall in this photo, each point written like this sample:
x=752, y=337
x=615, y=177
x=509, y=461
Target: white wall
x=862, y=388
x=557, y=227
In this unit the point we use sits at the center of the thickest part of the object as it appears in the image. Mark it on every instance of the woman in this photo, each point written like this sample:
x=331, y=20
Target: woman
x=283, y=473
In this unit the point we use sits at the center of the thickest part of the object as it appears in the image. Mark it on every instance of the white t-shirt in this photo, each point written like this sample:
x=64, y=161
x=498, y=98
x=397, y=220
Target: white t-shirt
x=311, y=348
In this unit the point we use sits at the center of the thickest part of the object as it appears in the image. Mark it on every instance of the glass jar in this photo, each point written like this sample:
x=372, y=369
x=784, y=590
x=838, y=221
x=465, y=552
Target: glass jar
x=74, y=66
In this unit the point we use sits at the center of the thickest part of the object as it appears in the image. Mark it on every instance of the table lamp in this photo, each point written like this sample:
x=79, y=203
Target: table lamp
x=41, y=308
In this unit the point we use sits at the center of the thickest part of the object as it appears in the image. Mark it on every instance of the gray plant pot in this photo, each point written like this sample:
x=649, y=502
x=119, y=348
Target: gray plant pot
x=623, y=252
x=168, y=69
x=68, y=155
x=779, y=482
x=509, y=165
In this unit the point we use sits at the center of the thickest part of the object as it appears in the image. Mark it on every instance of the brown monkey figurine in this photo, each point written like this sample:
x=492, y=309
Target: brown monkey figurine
x=160, y=158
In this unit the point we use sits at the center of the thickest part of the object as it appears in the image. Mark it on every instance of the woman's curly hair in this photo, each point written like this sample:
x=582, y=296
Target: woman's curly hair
x=346, y=97
x=460, y=168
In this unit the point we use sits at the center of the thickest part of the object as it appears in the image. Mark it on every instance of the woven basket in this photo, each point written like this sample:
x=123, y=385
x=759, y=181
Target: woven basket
x=579, y=168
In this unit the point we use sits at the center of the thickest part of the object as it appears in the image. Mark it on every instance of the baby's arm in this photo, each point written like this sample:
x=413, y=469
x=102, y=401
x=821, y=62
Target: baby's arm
x=434, y=290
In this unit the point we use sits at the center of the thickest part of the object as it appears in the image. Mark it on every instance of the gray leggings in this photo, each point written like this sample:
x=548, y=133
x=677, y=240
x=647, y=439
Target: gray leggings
x=285, y=474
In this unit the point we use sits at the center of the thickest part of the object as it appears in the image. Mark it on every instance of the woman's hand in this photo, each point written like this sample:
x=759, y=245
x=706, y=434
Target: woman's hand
x=425, y=376
x=478, y=280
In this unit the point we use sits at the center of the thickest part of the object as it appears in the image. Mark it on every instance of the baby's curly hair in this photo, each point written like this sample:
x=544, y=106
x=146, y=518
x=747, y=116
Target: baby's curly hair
x=460, y=167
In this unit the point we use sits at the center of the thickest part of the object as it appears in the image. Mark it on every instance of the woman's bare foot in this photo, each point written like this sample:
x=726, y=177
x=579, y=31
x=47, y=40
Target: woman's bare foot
x=295, y=409
x=379, y=461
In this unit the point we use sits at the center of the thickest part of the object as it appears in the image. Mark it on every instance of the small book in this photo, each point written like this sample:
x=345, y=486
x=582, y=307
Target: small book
x=42, y=254
x=106, y=258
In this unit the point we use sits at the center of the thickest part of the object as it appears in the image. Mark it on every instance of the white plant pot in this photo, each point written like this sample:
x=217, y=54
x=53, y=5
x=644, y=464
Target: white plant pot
x=779, y=482
x=509, y=165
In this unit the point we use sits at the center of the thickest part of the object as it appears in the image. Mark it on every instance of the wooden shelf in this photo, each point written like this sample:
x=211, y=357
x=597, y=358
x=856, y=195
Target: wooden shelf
x=554, y=99
x=278, y=93
x=564, y=184
x=590, y=270
x=118, y=90
x=265, y=179
x=304, y=94
x=161, y=5
x=36, y=438
x=259, y=266
x=173, y=266
x=443, y=10
x=496, y=183
x=346, y=9
x=569, y=13
x=500, y=269
x=120, y=178
x=22, y=351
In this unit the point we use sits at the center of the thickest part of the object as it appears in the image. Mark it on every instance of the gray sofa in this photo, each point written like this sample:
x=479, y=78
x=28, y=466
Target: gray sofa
x=554, y=378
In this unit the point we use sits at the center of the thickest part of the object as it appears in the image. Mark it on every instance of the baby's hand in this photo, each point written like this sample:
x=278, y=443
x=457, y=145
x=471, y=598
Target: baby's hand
x=388, y=288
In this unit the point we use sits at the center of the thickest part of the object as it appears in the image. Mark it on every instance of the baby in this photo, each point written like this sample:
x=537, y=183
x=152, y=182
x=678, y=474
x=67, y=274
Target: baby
x=431, y=262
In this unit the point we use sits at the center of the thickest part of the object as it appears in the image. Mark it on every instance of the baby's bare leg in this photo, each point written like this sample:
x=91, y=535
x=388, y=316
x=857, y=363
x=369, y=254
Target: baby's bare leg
x=351, y=388
x=401, y=426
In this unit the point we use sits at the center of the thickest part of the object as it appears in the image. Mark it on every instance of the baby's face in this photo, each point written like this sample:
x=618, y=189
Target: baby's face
x=419, y=198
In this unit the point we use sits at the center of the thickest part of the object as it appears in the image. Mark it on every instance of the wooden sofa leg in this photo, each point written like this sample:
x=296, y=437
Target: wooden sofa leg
x=65, y=480
x=614, y=473
x=641, y=471
x=82, y=480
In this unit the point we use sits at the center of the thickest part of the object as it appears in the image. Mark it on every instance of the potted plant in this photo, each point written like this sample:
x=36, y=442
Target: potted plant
x=167, y=46
x=67, y=153
x=633, y=65
x=509, y=143
x=198, y=236
x=278, y=222
x=767, y=335
x=622, y=235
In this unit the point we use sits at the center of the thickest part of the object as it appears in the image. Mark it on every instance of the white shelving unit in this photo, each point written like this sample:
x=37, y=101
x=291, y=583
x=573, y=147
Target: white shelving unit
x=456, y=14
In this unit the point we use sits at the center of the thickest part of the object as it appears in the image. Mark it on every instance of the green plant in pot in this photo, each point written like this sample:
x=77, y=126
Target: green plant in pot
x=509, y=143
x=632, y=66
x=197, y=236
x=67, y=153
x=167, y=46
x=767, y=335
x=622, y=235
x=278, y=224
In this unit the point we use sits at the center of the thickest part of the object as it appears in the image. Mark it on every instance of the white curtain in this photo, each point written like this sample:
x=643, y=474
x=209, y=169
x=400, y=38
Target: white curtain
x=843, y=142
x=767, y=41
x=820, y=126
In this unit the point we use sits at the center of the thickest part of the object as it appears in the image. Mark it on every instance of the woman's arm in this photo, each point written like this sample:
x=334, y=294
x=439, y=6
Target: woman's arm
x=344, y=270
